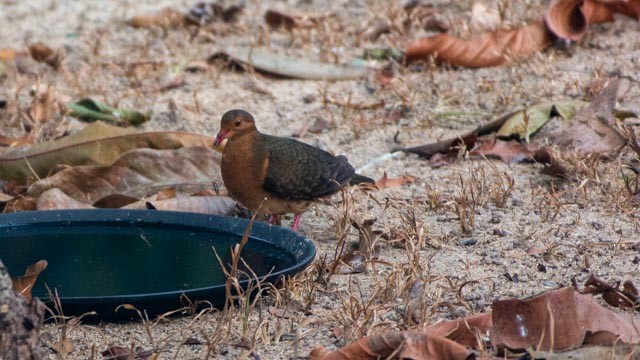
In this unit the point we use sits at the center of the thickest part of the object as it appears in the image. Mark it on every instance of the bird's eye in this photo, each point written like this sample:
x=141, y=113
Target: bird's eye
x=238, y=122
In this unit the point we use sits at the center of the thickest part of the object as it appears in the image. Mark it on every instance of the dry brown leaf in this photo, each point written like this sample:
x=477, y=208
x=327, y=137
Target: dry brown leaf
x=114, y=201
x=590, y=130
x=40, y=52
x=289, y=20
x=569, y=19
x=20, y=204
x=136, y=173
x=507, y=151
x=24, y=284
x=212, y=205
x=166, y=18
x=489, y=49
x=626, y=297
x=521, y=324
x=55, y=198
x=44, y=54
x=385, y=182
x=97, y=144
x=442, y=341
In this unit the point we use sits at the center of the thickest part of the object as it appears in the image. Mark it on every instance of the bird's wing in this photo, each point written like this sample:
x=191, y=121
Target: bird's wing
x=297, y=171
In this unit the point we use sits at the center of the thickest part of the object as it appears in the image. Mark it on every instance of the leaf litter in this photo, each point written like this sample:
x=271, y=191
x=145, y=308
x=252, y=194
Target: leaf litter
x=428, y=229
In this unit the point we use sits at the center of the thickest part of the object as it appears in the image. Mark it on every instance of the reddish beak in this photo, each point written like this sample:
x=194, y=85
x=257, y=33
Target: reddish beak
x=220, y=137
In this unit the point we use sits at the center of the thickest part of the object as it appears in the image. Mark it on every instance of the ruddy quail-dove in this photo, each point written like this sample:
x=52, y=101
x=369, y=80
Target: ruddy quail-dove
x=276, y=175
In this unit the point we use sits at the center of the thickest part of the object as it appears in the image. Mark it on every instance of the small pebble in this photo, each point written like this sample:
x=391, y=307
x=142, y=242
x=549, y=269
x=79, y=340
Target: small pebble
x=495, y=219
x=499, y=232
x=468, y=242
x=542, y=267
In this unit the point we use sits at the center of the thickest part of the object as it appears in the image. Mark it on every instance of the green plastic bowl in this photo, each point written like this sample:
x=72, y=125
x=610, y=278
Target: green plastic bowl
x=157, y=261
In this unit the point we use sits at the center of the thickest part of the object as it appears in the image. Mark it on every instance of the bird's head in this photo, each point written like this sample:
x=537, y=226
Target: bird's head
x=234, y=123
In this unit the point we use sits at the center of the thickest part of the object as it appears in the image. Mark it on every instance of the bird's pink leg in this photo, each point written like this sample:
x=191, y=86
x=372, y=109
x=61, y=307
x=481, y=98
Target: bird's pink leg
x=272, y=219
x=296, y=221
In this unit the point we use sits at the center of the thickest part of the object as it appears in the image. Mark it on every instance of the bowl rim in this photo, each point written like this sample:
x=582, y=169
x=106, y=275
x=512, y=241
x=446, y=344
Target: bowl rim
x=235, y=226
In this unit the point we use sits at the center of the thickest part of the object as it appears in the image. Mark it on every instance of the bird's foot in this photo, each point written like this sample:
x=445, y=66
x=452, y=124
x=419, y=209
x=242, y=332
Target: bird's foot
x=296, y=221
x=273, y=219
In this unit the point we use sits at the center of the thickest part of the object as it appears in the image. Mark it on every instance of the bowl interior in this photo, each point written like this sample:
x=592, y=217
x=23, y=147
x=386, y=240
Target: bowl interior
x=116, y=256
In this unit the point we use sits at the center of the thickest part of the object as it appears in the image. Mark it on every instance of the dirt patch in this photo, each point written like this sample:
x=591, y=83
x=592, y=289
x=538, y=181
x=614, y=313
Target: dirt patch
x=545, y=233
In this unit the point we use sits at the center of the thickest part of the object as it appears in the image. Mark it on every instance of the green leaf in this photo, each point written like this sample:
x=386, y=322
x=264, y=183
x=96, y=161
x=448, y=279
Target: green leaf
x=90, y=110
x=527, y=122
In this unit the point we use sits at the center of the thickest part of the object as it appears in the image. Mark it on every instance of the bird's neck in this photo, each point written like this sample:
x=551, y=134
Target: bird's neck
x=247, y=148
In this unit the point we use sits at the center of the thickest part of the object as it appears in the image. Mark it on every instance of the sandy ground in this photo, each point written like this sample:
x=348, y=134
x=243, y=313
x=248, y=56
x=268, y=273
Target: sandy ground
x=548, y=231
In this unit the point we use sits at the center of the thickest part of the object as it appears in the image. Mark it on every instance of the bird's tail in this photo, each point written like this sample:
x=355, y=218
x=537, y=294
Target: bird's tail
x=359, y=179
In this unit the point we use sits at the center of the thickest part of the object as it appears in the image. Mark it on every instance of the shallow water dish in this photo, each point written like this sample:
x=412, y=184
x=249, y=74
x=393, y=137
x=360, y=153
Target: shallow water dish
x=100, y=259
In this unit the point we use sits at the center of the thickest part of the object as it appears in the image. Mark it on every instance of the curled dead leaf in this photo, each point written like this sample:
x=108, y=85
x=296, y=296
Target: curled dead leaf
x=24, y=284
x=489, y=49
x=569, y=19
x=626, y=297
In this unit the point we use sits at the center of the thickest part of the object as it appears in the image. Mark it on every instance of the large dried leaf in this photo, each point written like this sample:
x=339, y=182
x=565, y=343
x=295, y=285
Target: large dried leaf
x=527, y=122
x=54, y=199
x=569, y=19
x=489, y=49
x=212, y=205
x=97, y=144
x=136, y=173
x=24, y=284
x=272, y=63
x=446, y=340
x=590, y=130
x=559, y=320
